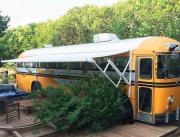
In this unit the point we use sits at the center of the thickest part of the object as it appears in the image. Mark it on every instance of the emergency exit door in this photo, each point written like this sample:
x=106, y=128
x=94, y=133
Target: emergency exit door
x=144, y=89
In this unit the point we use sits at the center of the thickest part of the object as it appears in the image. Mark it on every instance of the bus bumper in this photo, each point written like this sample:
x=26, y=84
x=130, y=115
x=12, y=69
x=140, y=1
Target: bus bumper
x=166, y=118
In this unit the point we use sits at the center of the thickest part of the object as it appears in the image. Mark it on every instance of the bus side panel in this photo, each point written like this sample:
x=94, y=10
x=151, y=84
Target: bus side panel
x=24, y=82
x=47, y=81
x=132, y=98
x=161, y=96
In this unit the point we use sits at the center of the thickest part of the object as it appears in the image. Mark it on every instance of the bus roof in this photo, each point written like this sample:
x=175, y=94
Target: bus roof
x=81, y=52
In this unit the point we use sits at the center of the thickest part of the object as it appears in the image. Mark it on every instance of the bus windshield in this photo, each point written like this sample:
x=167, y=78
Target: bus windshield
x=168, y=66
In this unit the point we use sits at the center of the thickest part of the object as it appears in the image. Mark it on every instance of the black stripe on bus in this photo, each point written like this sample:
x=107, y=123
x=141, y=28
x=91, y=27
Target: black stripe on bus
x=160, y=83
x=158, y=86
x=50, y=75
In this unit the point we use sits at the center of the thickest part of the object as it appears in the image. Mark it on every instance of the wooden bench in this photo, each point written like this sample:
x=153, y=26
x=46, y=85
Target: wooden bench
x=11, y=110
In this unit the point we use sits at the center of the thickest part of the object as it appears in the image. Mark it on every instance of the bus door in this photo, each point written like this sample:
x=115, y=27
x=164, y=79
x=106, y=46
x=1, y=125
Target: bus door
x=144, y=89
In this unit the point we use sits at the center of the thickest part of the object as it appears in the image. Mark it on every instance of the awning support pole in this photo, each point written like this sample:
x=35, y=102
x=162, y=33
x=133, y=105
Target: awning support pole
x=36, y=71
x=121, y=74
x=130, y=73
x=118, y=72
x=106, y=67
x=104, y=73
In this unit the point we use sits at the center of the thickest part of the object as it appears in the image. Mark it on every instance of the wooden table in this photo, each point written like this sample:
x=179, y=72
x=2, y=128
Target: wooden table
x=26, y=105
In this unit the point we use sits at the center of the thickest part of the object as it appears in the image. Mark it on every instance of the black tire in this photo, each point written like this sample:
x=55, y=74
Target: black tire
x=36, y=86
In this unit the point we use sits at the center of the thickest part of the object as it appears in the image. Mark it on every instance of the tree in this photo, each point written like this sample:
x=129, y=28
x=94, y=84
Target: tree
x=18, y=40
x=92, y=102
x=3, y=23
x=80, y=24
x=139, y=18
x=4, y=20
x=130, y=19
x=45, y=32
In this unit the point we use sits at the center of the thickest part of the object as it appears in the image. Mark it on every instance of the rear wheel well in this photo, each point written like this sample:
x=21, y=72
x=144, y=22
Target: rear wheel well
x=35, y=86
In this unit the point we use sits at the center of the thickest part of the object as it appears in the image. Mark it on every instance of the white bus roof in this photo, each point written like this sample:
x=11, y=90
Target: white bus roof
x=79, y=53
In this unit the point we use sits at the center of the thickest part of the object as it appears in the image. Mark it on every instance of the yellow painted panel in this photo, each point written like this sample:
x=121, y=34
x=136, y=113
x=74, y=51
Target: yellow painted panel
x=161, y=98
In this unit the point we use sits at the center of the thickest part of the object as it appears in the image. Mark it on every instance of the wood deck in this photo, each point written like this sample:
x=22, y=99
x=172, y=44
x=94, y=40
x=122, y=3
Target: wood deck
x=138, y=129
x=38, y=130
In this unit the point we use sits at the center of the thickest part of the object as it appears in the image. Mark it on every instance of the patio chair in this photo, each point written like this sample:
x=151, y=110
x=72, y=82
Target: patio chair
x=11, y=110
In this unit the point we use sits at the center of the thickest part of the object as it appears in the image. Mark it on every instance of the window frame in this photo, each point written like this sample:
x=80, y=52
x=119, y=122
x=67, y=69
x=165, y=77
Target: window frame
x=140, y=76
x=151, y=103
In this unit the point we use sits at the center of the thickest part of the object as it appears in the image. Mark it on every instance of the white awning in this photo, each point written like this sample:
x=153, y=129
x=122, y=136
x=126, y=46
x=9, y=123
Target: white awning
x=88, y=57
x=79, y=53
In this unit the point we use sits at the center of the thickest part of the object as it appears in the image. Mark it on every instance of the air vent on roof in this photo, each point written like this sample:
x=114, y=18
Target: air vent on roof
x=48, y=45
x=104, y=37
x=177, y=49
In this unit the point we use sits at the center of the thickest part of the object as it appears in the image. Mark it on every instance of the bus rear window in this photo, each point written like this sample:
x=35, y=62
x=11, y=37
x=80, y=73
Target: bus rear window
x=146, y=68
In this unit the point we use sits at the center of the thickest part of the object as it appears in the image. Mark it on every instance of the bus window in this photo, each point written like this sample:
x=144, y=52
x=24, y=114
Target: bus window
x=52, y=65
x=74, y=65
x=20, y=65
x=145, y=99
x=85, y=66
x=43, y=65
x=146, y=68
x=30, y=65
x=62, y=65
x=101, y=62
x=121, y=62
x=168, y=66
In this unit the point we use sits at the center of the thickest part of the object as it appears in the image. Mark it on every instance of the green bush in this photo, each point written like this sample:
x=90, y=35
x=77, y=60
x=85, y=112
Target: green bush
x=92, y=102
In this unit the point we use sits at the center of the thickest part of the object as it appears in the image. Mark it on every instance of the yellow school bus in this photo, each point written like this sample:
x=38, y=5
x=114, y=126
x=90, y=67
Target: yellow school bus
x=149, y=68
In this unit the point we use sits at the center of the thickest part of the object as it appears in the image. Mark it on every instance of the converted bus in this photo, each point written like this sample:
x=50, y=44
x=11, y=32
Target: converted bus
x=149, y=68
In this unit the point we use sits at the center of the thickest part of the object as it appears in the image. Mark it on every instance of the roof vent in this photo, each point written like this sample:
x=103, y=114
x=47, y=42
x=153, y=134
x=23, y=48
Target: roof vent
x=104, y=37
x=48, y=45
x=177, y=49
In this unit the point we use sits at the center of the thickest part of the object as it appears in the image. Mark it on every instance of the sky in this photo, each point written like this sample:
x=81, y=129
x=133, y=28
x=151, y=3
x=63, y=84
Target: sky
x=24, y=12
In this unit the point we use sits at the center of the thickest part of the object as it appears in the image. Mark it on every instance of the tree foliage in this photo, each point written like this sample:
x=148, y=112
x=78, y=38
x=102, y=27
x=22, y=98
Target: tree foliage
x=138, y=18
x=133, y=18
x=80, y=24
x=4, y=20
x=18, y=40
x=45, y=33
x=93, y=102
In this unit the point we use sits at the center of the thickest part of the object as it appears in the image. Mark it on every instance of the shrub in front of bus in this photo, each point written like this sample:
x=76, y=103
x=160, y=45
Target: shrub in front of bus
x=92, y=102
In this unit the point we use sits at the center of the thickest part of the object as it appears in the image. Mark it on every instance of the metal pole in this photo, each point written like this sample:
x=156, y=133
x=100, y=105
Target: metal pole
x=177, y=113
x=104, y=73
x=130, y=74
x=36, y=71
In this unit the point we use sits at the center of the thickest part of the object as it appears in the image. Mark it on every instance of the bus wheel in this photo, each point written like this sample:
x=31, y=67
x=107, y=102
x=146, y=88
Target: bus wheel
x=36, y=86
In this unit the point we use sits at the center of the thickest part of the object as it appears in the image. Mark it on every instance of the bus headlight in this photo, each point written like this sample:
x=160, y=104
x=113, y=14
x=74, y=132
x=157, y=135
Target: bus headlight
x=171, y=99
